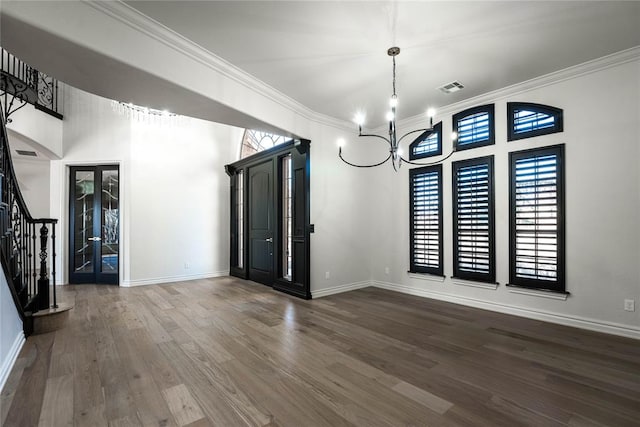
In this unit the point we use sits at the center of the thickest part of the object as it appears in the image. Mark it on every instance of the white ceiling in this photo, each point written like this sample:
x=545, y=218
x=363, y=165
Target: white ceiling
x=331, y=55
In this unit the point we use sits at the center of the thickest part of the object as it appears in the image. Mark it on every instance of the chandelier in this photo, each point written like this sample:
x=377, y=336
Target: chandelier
x=395, y=152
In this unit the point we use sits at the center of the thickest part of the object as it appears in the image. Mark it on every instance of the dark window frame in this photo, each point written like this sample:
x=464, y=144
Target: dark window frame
x=436, y=128
x=490, y=110
x=414, y=268
x=557, y=114
x=489, y=277
x=559, y=284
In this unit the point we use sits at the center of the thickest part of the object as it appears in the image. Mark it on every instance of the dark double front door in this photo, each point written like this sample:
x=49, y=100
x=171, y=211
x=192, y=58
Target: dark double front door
x=94, y=221
x=270, y=218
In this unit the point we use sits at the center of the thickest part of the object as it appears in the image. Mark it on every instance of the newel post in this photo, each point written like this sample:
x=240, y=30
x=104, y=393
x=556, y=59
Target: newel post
x=43, y=281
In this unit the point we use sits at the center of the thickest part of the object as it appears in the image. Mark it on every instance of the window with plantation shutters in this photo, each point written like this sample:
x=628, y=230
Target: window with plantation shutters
x=428, y=144
x=527, y=120
x=474, y=127
x=426, y=219
x=473, y=220
x=536, y=206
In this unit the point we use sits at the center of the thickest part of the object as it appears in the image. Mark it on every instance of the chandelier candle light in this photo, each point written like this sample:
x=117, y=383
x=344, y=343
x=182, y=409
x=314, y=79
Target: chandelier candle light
x=395, y=153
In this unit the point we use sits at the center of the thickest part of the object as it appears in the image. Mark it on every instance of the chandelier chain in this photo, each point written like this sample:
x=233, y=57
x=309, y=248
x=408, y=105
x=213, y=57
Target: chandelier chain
x=394, y=75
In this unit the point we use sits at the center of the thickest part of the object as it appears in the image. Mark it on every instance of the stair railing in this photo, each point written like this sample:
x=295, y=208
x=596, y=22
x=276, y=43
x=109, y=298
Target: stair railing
x=28, y=263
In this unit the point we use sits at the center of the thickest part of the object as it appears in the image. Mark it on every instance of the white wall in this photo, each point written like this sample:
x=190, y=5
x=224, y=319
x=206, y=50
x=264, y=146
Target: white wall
x=45, y=137
x=179, y=225
x=602, y=148
x=34, y=182
x=11, y=335
x=340, y=213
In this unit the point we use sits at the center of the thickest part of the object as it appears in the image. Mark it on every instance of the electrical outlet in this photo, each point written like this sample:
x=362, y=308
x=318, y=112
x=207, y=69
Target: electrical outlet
x=629, y=305
x=327, y=275
x=187, y=266
x=386, y=270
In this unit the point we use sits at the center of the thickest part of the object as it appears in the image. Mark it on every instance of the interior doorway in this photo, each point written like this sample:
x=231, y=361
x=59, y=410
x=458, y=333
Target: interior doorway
x=94, y=222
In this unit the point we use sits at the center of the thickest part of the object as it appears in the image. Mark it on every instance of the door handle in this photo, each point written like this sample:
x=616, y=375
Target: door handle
x=94, y=239
x=270, y=240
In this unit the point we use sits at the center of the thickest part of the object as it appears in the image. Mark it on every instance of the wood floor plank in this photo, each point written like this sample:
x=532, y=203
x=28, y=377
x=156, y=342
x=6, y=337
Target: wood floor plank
x=431, y=401
x=57, y=405
x=28, y=399
x=228, y=352
x=182, y=405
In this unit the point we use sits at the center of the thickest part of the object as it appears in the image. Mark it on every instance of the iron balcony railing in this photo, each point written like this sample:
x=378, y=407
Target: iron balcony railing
x=27, y=85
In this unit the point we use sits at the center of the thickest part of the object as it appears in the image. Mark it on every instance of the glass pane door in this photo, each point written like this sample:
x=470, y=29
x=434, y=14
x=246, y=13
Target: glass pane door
x=83, y=200
x=110, y=222
x=94, y=221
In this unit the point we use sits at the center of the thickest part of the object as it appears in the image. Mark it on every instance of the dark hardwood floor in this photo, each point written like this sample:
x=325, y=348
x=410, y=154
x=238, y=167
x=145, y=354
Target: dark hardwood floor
x=225, y=352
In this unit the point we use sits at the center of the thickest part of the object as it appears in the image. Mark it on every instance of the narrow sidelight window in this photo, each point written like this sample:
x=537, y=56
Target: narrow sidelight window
x=425, y=187
x=287, y=216
x=240, y=216
x=473, y=220
x=536, y=211
x=474, y=127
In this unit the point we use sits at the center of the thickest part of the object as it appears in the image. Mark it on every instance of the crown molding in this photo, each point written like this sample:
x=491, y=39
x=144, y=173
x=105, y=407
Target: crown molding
x=154, y=29
x=589, y=67
x=136, y=20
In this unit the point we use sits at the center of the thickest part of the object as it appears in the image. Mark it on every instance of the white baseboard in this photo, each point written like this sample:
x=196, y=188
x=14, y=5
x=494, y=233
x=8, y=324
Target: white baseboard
x=340, y=289
x=170, y=279
x=561, y=319
x=10, y=360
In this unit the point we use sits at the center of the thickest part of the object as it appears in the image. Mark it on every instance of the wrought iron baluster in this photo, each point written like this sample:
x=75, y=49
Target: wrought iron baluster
x=43, y=282
x=53, y=263
x=34, y=272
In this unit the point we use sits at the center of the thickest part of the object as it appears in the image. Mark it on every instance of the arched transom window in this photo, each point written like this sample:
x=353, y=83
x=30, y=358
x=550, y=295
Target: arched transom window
x=255, y=141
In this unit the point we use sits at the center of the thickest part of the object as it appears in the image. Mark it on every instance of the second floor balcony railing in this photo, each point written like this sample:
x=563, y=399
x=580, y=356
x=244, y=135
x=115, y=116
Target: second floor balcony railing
x=28, y=85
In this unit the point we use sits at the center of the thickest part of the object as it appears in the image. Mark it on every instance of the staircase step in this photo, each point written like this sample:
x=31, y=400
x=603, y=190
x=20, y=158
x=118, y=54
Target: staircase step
x=51, y=320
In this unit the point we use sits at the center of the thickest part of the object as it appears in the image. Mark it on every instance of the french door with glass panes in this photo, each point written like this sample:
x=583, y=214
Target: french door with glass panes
x=94, y=220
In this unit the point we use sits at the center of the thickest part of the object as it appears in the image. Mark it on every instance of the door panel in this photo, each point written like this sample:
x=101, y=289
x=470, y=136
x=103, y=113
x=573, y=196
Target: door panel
x=110, y=222
x=298, y=202
x=83, y=260
x=94, y=202
x=261, y=223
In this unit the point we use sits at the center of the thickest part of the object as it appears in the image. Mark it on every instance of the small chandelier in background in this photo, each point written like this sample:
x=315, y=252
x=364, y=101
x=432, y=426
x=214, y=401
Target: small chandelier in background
x=146, y=115
x=395, y=152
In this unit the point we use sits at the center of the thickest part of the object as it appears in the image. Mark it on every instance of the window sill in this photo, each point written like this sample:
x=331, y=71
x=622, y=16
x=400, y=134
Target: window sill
x=474, y=283
x=426, y=276
x=557, y=295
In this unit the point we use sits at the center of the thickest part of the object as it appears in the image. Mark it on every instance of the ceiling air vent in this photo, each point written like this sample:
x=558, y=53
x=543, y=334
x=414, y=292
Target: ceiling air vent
x=27, y=153
x=451, y=87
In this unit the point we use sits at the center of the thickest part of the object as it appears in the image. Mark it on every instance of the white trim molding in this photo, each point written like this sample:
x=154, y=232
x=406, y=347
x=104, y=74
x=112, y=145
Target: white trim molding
x=171, y=279
x=540, y=294
x=474, y=284
x=138, y=21
x=340, y=289
x=545, y=316
x=599, y=64
x=11, y=358
x=427, y=277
